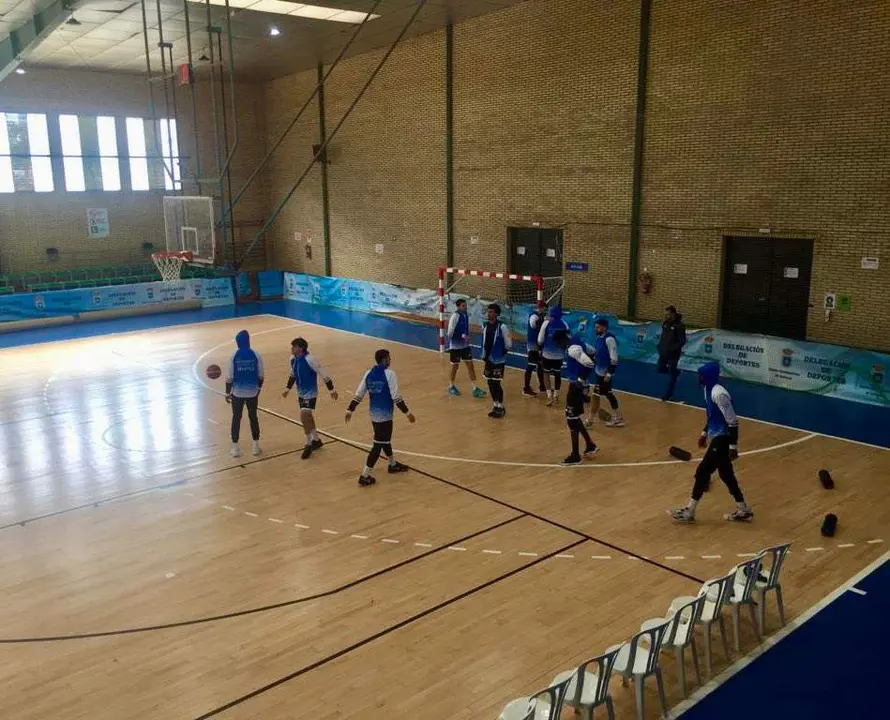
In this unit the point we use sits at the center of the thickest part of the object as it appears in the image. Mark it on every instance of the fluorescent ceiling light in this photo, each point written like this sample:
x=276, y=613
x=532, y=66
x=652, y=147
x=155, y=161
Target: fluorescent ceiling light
x=296, y=9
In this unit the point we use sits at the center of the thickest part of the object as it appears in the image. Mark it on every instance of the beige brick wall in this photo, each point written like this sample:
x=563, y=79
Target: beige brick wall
x=31, y=222
x=770, y=114
x=543, y=132
x=760, y=114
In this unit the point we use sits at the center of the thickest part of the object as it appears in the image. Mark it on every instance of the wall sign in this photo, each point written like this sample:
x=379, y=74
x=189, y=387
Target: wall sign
x=830, y=301
x=520, y=250
x=577, y=266
x=378, y=248
x=870, y=263
x=844, y=303
x=792, y=272
x=97, y=222
x=740, y=269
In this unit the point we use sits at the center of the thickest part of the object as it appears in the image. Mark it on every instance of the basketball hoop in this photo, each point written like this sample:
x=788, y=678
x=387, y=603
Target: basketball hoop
x=169, y=264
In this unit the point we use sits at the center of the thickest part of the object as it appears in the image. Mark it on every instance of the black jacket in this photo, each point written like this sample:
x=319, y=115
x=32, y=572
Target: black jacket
x=673, y=336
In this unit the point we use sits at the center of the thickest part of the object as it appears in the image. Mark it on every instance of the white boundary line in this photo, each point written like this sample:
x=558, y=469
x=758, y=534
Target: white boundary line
x=447, y=458
x=621, y=392
x=769, y=642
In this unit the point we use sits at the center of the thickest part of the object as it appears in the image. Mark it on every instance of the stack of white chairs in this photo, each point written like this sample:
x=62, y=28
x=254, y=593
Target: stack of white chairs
x=586, y=687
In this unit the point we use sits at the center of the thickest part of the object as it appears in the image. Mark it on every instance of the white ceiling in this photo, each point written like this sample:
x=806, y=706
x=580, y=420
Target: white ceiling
x=110, y=38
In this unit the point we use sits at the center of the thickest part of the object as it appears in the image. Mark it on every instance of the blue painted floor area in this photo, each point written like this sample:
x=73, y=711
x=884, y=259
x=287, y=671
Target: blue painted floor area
x=815, y=413
x=832, y=666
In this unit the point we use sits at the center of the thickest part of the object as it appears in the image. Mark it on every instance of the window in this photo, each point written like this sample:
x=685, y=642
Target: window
x=24, y=153
x=89, y=153
x=153, y=167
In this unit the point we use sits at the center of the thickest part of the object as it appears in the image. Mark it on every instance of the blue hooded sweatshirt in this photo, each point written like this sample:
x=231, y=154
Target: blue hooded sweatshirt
x=554, y=323
x=722, y=419
x=245, y=372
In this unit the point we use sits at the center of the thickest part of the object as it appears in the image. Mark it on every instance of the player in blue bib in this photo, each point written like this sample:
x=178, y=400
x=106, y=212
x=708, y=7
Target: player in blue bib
x=496, y=343
x=579, y=365
x=304, y=373
x=244, y=379
x=382, y=385
x=553, y=355
x=606, y=359
x=459, y=348
x=721, y=436
x=534, y=363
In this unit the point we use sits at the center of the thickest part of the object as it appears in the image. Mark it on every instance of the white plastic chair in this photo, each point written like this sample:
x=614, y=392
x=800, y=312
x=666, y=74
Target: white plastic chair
x=681, y=635
x=716, y=592
x=545, y=704
x=638, y=659
x=746, y=575
x=775, y=557
x=588, y=690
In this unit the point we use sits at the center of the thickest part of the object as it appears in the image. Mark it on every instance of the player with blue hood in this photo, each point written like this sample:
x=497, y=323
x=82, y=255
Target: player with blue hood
x=721, y=437
x=244, y=379
x=552, y=354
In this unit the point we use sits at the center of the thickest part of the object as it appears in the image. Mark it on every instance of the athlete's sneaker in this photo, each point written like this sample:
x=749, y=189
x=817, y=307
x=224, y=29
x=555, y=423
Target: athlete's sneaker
x=528, y=392
x=615, y=422
x=307, y=452
x=317, y=445
x=452, y=390
x=255, y=450
x=397, y=467
x=551, y=401
x=591, y=451
x=572, y=460
x=366, y=481
x=740, y=515
x=479, y=393
x=588, y=423
x=236, y=451
x=683, y=514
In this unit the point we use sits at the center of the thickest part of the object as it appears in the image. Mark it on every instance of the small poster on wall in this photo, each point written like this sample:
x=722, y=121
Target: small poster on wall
x=97, y=222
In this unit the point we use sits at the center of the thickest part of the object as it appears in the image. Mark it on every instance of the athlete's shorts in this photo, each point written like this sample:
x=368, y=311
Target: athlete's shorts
x=383, y=432
x=465, y=354
x=534, y=358
x=603, y=386
x=575, y=400
x=307, y=403
x=493, y=371
x=554, y=367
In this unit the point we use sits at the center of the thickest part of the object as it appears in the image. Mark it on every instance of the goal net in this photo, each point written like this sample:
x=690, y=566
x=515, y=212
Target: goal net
x=188, y=227
x=518, y=296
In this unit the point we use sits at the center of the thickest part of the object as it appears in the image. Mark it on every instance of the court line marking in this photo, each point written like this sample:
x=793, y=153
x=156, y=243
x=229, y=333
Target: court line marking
x=386, y=631
x=623, y=392
x=777, y=637
x=275, y=606
x=858, y=591
x=445, y=458
x=488, y=551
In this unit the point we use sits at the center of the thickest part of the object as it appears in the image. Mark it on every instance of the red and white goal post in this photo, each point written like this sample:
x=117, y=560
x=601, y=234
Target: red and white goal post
x=481, y=287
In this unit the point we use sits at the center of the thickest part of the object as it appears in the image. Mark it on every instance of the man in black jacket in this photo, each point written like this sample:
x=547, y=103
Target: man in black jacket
x=670, y=347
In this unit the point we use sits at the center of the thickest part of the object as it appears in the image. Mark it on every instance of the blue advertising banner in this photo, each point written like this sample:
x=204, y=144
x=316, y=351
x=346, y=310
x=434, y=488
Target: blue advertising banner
x=29, y=306
x=270, y=283
x=857, y=375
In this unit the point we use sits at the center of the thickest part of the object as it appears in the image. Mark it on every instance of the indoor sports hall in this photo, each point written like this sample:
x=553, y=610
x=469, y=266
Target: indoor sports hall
x=224, y=224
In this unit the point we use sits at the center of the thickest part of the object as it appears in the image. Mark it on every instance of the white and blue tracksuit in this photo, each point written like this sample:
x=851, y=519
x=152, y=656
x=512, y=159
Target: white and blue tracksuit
x=245, y=368
x=459, y=331
x=381, y=384
x=496, y=342
x=606, y=354
x=305, y=371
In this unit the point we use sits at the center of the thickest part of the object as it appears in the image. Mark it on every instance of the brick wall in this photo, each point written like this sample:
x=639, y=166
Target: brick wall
x=770, y=114
x=31, y=222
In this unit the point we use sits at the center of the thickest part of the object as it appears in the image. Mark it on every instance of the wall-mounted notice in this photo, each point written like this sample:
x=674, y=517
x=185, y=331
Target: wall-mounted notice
x=740, y=269
x=97, y=222
x=792, y=273
x=870, y=263
x=378, y=248
x=551, y=252
x=520, y=250
x=830, y=301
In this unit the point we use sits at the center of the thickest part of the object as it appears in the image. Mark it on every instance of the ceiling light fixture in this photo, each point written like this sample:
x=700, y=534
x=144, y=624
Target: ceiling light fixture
x=274, y=31
x=20, y=71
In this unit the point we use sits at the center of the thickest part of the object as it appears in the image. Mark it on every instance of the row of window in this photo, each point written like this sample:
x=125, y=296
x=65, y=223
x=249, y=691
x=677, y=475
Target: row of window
x=91, y=159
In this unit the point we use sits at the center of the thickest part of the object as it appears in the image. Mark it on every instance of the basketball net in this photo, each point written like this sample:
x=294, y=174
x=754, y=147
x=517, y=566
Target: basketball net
x=169, y=264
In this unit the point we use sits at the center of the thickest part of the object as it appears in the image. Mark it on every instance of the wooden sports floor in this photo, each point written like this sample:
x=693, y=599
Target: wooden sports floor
x=147, y=574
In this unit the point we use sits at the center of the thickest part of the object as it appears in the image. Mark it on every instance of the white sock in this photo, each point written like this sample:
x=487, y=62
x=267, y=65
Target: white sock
x=742, y=505
x=366, y=472
x=392, y=461
x=309, y=439
x=475, y=387
x=314, y=435
x=691, y=505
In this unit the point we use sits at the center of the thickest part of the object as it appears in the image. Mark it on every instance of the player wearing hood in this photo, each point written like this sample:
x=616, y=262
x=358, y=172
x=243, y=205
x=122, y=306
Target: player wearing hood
x=552, y=354
x=721, y=436
x=244, y=379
